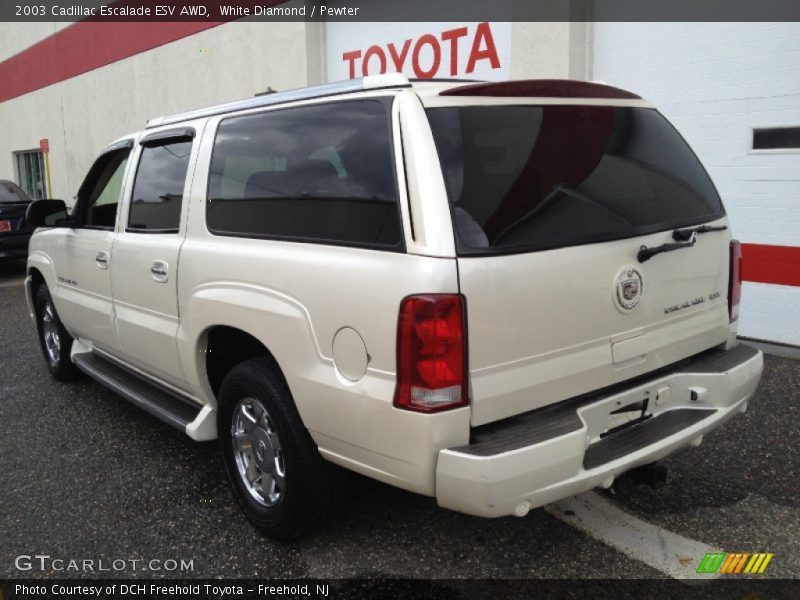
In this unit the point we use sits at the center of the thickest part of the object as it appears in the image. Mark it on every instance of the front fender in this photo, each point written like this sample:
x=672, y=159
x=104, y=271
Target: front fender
x=41, y=262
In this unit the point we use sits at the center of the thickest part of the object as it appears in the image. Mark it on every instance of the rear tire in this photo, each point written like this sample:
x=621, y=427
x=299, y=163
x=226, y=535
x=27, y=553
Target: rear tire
x=54, y=340
x=280, y=481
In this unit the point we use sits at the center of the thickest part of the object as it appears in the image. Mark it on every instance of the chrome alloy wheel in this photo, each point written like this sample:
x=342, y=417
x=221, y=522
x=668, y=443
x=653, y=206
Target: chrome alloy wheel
x=52, y=339
x=258, y=453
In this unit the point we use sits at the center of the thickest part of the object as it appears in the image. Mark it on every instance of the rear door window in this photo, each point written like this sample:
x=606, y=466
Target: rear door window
x=321, y=173
x=158, y=188
x=526, y=178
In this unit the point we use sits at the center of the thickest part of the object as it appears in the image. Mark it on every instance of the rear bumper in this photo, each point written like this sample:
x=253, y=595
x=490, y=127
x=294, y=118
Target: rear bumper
x=556, y=452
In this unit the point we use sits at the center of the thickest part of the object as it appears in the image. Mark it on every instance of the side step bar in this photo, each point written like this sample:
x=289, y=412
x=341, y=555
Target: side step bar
x=155, y=399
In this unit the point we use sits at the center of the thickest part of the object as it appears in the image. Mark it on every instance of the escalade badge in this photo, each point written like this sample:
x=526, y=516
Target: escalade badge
x=628, y=288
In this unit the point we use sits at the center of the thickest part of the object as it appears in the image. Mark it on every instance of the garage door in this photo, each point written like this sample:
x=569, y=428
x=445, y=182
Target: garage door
x=726, y=86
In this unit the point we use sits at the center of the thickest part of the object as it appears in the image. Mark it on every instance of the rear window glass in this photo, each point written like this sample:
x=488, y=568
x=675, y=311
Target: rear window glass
x=535, y=177
x=320, y=173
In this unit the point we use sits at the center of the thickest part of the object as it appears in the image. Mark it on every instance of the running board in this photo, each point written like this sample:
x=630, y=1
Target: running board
x=155, y=399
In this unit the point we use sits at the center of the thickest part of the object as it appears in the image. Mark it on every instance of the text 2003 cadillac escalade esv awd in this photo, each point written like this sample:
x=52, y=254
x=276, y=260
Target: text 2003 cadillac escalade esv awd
x=496, y=294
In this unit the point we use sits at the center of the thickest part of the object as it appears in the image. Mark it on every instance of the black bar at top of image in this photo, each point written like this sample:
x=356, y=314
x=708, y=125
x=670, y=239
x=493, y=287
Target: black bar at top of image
x=401, y=10
x=379, y=588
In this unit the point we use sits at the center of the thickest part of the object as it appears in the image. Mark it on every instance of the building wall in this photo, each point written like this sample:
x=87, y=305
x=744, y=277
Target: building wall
x=522, y=50
x=83, y=114
x=715, y=82
x=24, y=35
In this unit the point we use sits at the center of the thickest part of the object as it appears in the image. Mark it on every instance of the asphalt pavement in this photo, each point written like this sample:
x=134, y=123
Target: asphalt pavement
x=87, y=476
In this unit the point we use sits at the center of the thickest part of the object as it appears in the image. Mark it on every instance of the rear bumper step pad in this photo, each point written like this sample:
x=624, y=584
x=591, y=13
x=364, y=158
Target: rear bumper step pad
x=643, y=434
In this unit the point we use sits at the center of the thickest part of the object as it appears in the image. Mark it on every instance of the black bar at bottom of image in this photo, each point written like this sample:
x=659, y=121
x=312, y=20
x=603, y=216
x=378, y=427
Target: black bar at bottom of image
x=416, y=589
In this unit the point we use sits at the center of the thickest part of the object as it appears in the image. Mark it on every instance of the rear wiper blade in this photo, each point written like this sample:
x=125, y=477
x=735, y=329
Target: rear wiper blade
x=684, y=235
x=646, y=253
x=685, y=238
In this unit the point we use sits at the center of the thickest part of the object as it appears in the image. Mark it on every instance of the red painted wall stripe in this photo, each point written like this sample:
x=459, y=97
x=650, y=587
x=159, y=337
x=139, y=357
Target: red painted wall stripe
x=83, y=47
x=771, y=264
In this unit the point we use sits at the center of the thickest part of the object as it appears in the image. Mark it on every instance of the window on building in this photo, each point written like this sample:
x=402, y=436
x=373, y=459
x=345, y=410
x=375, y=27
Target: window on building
x=158, y=188
x=776, y=138
x=31, y=173
x=317, y=173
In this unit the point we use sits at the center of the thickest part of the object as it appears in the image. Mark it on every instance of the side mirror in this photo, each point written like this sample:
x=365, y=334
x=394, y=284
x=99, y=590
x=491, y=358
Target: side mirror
x=47, y=213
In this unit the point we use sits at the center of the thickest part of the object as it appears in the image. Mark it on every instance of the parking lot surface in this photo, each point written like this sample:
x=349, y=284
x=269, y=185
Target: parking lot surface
x=85, y=475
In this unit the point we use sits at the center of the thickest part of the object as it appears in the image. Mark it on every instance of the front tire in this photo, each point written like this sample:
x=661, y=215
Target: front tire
x=54, y=340
x=280, y=481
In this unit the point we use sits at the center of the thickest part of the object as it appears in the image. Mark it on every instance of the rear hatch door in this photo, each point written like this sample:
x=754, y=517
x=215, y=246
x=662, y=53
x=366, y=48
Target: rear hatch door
x=552, y=205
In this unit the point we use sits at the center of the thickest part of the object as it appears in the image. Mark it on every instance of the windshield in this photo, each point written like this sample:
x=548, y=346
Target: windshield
x=11, y=193
x=525, y=178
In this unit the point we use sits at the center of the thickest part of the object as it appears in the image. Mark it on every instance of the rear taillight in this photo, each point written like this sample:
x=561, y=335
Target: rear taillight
x=735, y=280
x=431, y=353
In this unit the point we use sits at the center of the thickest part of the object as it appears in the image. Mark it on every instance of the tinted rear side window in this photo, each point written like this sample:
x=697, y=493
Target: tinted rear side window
x=158, y=188
x=319, y=173
x=535, y=177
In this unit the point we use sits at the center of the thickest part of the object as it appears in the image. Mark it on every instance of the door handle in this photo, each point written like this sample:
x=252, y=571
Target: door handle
x=101, y=260
x=160, y=271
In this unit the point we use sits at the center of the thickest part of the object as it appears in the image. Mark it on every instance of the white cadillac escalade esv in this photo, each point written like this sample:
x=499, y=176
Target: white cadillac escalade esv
x=496, y=294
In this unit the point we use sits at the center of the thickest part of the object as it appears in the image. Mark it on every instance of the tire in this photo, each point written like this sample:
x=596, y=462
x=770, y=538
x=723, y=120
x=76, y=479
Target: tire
x=54, y=340
x=294, y=488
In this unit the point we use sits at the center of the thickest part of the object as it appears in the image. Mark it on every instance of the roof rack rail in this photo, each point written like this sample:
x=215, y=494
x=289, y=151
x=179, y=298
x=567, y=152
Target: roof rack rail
x=444, y=80
x=369, y=82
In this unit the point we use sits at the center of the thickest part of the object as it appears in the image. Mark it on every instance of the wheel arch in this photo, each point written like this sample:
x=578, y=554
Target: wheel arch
x=36, y=279
x=224, y=347
x=39, y=271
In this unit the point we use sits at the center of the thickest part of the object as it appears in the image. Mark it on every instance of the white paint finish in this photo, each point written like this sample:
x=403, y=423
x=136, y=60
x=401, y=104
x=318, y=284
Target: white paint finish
x=542, y=324
x=665, y=551
x=429, y=218
x=716, y=81
x=80, y=286
x=350, y=354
